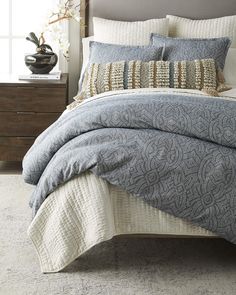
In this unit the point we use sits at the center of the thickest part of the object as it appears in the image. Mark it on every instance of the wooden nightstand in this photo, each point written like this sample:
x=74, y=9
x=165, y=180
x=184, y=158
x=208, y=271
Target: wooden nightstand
x=26, y=109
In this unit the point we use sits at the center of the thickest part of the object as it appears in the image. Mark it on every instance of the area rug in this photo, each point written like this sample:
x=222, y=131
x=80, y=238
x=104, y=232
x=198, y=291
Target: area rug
x=124, y=266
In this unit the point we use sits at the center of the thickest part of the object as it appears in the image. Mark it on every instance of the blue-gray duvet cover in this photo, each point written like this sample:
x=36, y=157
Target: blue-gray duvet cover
x=175, y=152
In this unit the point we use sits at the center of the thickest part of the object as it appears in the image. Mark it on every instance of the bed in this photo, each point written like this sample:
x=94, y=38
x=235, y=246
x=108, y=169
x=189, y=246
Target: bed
x=91, y=207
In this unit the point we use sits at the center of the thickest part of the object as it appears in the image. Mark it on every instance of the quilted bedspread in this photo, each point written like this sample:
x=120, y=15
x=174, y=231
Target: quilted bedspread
x=175, y=152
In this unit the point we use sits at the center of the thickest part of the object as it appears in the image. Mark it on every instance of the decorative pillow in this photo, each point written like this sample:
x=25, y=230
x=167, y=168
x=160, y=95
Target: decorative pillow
x=206, y=28
x=199, y=74
x=104, y=53
x=128, y=33
x=191, y=49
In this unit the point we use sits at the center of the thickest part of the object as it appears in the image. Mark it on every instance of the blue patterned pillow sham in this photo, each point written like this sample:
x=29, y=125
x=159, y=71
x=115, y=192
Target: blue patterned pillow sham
x=104, y=53
x=191, y=49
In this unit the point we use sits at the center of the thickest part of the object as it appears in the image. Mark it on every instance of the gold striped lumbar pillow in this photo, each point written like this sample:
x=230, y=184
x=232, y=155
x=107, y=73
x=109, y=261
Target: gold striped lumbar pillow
x=198, y=74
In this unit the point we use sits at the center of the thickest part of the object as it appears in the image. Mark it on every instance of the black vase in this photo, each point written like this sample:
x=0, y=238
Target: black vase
x=41, y=63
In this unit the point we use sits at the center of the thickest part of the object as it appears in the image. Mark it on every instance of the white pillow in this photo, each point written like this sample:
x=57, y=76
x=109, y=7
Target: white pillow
x=206, y=28
x=128, y=33
x=85, y=43
x=230, y=67
x=85, y=49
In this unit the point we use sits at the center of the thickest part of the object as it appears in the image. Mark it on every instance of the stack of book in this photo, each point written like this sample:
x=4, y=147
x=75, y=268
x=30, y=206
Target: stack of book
x=50, y=76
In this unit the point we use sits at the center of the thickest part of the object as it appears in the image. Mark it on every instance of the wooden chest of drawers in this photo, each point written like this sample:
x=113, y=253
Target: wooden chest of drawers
x=26, y=109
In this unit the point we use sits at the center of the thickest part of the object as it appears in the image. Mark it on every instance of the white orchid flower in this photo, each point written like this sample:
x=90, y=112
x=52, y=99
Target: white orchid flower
x=66, y=10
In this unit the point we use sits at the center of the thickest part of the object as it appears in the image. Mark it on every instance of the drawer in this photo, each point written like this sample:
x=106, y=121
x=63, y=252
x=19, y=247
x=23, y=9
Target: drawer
x=14, y=148
x=25, y=123
x=35, y=99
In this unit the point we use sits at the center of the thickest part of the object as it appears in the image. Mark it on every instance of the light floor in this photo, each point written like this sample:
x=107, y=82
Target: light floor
x=123, y=266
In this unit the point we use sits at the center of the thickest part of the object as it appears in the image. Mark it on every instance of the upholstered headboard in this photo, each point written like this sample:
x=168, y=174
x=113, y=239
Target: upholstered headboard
x=131, y=10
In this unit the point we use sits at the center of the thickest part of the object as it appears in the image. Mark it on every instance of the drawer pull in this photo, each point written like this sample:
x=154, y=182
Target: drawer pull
x=25, y=113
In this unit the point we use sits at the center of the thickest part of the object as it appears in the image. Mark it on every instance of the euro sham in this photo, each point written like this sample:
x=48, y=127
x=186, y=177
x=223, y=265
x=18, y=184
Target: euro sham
x=128, y=33
x=205, y=28
x=191, y=49
x=199, y=74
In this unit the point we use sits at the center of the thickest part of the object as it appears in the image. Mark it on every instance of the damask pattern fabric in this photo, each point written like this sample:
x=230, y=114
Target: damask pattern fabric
x=205, y=28
x=104, y=53
x=198, y=74
x=191, y=49
x=175, y=152
x=128, y=33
